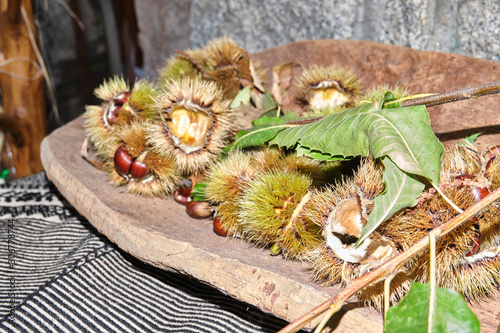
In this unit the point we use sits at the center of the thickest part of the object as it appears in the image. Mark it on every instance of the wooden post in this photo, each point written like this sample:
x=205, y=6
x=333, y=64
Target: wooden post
x=24, y=118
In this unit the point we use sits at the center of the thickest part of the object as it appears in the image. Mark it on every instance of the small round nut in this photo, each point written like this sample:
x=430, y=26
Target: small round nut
x=123, y=161
x=199, y=209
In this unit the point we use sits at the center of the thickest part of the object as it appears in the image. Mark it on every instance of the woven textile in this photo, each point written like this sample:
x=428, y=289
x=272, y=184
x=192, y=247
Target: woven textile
x=58, y=274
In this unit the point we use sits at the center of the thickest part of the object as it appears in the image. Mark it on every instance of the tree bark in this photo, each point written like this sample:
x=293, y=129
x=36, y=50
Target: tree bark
x=24, y=117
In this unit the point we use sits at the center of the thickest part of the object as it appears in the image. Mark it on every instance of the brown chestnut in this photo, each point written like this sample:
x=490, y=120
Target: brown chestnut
x=112, y=114
x=183, y=195
x=198, y=209
x=121, y=98
x=218, y=227
x=492, y=153
x=479, y=192
x=123, y=161
x=465, y=176
x=139, y=170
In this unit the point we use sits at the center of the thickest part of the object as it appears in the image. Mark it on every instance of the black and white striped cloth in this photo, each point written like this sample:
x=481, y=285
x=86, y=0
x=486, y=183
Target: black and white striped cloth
x=58, y=274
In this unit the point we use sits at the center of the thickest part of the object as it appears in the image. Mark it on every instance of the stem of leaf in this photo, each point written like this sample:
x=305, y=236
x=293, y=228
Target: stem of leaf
x=432, y=241
x=451, y=203
x=387, y=293
x=325, y=319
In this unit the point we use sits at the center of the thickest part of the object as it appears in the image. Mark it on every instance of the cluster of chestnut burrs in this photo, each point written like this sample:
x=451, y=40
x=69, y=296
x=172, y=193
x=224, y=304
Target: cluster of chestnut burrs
x=151, y=137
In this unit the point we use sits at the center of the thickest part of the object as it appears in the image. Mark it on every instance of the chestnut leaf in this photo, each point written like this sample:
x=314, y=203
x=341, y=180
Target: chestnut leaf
x=263, y=130
x=403, y=134
x=401, y=190
x=450, y=312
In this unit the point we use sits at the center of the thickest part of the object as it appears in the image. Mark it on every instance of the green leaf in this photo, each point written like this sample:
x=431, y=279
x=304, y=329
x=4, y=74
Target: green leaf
x=269, y=106
x=243, y=97
x=403, y=134
x=316, y=155
x=4, y=174
x=470, y=139
x=450, y=314
x=264, y=129
x=389, y=97
x=198, y=192
x=401, y=190
x=290, y=116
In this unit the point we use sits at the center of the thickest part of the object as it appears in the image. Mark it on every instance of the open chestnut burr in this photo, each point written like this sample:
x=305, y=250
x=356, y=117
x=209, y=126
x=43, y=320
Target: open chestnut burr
x=136, y=166
x=194, y=126
x=121, y=105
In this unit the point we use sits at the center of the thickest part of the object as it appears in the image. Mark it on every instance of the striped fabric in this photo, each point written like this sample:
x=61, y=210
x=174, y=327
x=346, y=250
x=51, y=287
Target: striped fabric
x=58, y=274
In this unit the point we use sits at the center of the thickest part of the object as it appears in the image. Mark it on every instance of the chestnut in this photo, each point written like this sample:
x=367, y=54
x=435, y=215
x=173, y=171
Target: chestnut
x=139, y=170
x=183, y=195
x=492, y=153
x=218, y=227
x=199, y=209
x=123, y=161
x=112, y=114
x=479, y=192
x=121, y=98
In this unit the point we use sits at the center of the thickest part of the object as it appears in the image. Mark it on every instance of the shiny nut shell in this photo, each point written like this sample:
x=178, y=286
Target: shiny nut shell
x=139, y=170
x=121, y=98
x=492, y=153
x=123, y=161
x=112, y=114
x=218, y=228
x=183, y=195
x=199, y=209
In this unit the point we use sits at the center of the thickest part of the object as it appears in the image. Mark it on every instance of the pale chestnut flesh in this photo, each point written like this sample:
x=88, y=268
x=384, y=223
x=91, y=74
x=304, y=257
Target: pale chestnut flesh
x=326, y=94
x=189, y=127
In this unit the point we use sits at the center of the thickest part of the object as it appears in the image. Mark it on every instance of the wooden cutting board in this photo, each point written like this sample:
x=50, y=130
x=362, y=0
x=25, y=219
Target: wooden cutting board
x=159, y=232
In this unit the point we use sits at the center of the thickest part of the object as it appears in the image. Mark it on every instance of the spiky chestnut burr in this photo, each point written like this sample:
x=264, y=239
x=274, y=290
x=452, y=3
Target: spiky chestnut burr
x=270, y=158
x=225, y=183
x=181, y=66
x=341, y=211
x=271, y=213
x=452, y=250
x=139, y=168
x=459, y=160
x=110, y=89
x=328, y=87
x=194, y=126
x=120, y=106
x=492, y=166
x=229, y=65
x=378, y=92
x=467, y=258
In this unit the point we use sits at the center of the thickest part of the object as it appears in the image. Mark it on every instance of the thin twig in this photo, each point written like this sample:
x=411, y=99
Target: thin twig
x=455, y=95
x=432, y=240
x=392, y=265
x=72, y=14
